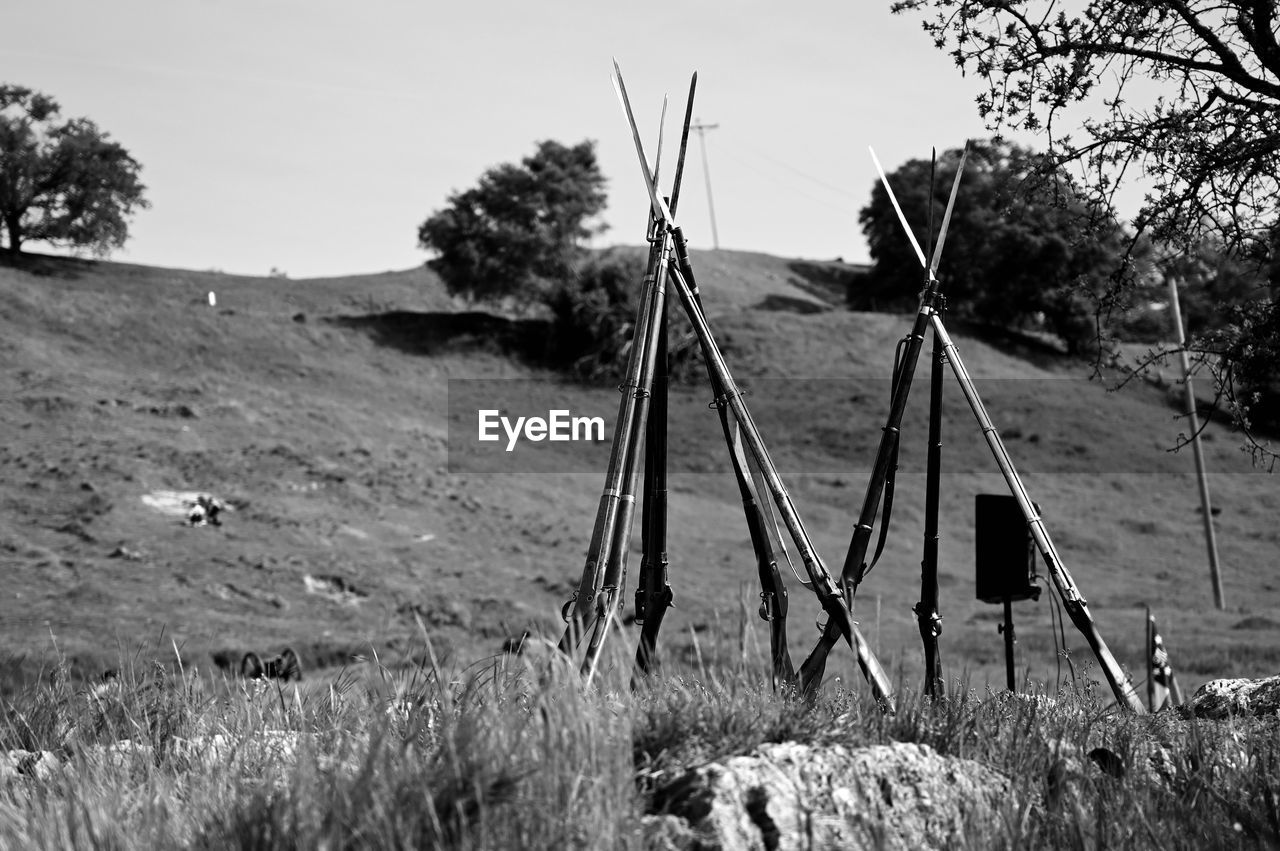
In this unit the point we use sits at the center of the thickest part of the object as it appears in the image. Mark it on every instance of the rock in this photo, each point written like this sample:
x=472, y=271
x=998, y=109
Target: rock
x=20, y=764
x=668, y=833
x=1220, y=699
x=791, y=795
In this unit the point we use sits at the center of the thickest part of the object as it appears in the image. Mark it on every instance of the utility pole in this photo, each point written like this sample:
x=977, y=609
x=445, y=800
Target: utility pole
x=1193, y=423
x=706, y=173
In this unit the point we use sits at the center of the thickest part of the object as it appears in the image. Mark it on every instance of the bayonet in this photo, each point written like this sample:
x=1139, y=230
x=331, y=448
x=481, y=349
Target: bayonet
x=946, y=217
x=884, y=181
x=660, y=209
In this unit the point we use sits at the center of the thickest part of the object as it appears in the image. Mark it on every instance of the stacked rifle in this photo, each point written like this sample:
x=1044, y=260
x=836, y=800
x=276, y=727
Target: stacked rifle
x=641, y=423
x=642, y=412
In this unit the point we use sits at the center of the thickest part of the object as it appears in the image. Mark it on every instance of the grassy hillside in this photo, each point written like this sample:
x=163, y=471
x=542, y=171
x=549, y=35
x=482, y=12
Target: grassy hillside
x=320, y=411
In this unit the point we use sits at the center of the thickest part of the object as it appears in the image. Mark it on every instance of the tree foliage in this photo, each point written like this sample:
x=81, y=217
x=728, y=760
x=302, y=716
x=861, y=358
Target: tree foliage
x=594, y=314
x=64, y=182
x=1181, y=94
x=1211, y=282
x=1019, y=250
x=521, y=228
x=1187, y=92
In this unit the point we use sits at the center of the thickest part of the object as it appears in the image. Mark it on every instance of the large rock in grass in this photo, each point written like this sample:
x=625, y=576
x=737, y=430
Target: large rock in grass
x=1225, y=698
x=785, y=796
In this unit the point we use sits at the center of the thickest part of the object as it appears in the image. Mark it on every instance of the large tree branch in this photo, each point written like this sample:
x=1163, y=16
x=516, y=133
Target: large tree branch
x=1259, y=31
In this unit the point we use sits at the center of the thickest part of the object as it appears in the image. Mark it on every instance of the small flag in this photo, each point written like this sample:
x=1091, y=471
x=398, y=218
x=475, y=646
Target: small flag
x=1162, y=686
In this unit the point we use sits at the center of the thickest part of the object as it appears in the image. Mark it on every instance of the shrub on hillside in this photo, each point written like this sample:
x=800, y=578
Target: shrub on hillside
x=594, y=314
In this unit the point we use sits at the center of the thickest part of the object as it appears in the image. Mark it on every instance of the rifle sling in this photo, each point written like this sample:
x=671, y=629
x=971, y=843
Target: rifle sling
x=891, y=474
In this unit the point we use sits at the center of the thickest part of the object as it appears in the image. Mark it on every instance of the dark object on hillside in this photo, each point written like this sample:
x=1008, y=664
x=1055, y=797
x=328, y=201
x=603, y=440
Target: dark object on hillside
x=284, y=667
x=836, y=283
x=429, y=333
x=1256, y=622
x=1108, y=761
x=515, y=646
x=776, y=302
x=205, y=510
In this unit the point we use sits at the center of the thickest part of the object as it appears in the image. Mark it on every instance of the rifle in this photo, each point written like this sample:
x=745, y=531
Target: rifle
x=1074, y=603
x=926, y=610
x=592, y=604
x=653, y=592
x=653, y=588
x=823, y=585
x=855, y=565
x=1072, y=600
x=681, y=276
x=927, y=619
x=614, y=577
x=773, y=592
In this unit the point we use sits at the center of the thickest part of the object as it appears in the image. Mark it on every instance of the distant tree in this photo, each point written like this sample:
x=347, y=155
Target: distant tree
x=1020, y=249
x=64, y=182
x=521, y=228
x=1182, y=94
x=1212, y=283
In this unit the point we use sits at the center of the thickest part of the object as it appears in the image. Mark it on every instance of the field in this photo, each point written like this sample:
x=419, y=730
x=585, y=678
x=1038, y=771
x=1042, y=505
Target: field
x=370, y=531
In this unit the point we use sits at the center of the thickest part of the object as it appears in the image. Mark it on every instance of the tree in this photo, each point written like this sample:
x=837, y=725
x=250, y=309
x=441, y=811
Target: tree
x=1019, y=249
x=64, y=182
x=1184, y=92
x=521, y=228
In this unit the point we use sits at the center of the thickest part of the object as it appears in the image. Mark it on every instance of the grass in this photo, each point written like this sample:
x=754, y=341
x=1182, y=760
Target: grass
x=514, y=753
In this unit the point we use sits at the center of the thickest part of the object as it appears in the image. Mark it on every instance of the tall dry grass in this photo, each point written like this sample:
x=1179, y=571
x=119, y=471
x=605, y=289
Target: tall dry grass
x=516, y=753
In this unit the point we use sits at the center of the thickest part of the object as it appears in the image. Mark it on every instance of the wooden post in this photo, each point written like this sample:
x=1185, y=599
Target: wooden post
x=1193, y=420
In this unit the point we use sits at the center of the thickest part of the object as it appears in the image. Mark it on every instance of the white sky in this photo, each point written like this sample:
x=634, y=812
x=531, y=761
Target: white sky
x=315, y=136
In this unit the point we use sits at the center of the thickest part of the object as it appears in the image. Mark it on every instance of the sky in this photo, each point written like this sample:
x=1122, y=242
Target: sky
x=313, y=137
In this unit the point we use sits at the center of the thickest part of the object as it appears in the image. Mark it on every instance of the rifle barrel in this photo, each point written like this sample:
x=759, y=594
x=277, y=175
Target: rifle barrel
x=1072, y=600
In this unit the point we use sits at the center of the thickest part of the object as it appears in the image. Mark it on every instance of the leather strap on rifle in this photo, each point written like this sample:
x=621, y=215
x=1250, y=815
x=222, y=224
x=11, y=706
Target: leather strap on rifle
x=886, y=512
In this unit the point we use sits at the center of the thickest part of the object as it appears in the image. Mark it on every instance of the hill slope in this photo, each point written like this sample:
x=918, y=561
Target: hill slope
x=321, y=411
